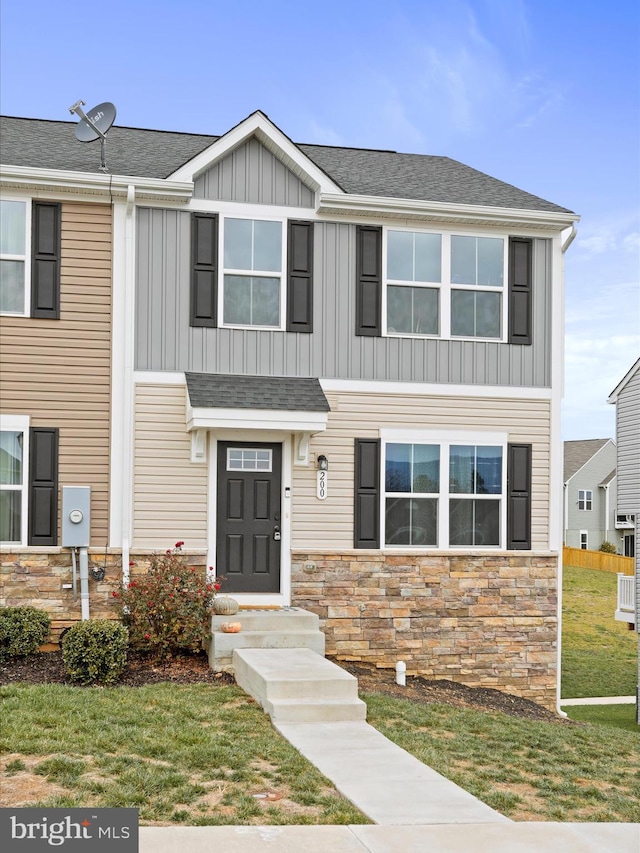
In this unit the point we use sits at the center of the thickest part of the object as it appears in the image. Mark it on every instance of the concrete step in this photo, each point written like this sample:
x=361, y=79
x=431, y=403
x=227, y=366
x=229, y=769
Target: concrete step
x=283, y=619
x=222, y=645
x=298, y=685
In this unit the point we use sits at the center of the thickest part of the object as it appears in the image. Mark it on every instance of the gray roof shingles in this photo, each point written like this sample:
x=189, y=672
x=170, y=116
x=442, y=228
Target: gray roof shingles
x=359, y=171
x=224, y=391
x=578, y=453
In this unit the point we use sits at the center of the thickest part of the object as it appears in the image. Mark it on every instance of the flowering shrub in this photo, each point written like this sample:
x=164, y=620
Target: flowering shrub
x=167, y=609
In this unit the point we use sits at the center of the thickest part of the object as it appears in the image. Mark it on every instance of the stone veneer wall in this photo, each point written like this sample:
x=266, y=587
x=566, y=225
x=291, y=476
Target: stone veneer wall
x=483, y=621
x=38, y=579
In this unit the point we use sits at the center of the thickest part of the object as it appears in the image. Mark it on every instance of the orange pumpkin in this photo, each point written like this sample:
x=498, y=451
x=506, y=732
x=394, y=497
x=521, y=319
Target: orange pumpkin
x=230, y=627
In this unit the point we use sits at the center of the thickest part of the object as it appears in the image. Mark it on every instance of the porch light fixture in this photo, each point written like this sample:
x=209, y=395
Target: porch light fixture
x=322, y=463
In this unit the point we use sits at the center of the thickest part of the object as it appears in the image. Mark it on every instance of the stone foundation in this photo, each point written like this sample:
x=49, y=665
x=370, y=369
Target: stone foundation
x=39, y=579
x=483, y=621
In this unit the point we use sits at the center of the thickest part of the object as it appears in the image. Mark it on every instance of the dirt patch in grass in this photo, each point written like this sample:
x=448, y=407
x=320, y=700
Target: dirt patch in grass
x=23, y=787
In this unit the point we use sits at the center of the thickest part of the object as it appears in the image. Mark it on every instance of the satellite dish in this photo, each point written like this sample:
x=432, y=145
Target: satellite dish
x=95, y=125
x=96, y=122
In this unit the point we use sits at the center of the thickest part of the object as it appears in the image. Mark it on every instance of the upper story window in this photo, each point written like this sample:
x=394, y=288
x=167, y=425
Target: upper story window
x=585, y=498
x=444, y=285
x=253, y=264
x=14, y=257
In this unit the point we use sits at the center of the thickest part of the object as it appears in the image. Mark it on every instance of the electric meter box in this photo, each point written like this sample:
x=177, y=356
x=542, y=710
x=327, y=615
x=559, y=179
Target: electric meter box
x=76, y=516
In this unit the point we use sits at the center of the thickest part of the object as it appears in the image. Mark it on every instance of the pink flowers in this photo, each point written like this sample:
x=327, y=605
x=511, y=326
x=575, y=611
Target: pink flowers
x=179, y=545
x=217, y=586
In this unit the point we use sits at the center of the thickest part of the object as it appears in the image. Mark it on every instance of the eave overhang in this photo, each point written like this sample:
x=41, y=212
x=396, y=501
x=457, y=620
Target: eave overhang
x=333, y=204
x=112, y=187
x=256, y=419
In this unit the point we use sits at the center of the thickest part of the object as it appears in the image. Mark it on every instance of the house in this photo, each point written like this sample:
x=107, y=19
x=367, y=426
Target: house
x=334, y=373
x=590, y=495
x=626, y=398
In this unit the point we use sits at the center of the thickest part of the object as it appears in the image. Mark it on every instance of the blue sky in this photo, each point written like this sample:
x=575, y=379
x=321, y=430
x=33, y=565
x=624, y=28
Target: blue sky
x=540, y=94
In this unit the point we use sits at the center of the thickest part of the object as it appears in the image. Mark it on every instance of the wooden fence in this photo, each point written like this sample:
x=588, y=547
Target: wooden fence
x=597, y=560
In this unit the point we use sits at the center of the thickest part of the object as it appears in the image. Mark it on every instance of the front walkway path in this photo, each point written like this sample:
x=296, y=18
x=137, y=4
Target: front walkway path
x=600, y=700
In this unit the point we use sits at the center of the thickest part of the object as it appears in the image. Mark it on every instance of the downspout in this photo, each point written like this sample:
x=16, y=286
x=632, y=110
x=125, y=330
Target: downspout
x=84, y=583
x=127, y=456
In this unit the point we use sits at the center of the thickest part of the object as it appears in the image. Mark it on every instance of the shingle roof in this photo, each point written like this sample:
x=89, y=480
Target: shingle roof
x=578, y=453
x=359, y=171
x=610, y=476
x=224, y=391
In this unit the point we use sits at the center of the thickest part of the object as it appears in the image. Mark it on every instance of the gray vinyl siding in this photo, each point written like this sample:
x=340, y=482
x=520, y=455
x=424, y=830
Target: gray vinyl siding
x=165, y=341
x=595, y=521
x=251, y=174
x=628, y=439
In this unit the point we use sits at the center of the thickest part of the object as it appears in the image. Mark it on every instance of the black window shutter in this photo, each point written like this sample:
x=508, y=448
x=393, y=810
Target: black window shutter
x=45, y=260
x=300, y=276
x=204, y=269
x=367, y=493
x=43, y=486
x=520, y=290
x=368, y=280
x=519, y=497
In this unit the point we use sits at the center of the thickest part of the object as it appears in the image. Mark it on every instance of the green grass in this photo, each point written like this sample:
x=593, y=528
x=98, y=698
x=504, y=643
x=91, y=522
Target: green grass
x=526, y=770
x=619, y=716
x=193, y=755
x=599, y=654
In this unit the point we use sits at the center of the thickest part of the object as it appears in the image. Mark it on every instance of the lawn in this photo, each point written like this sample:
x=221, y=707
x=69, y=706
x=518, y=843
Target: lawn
x=620, y=716
x=194, y=755
x=599, y=654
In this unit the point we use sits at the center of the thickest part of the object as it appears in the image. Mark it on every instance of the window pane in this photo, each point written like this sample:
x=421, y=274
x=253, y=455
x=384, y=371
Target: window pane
x=490, y=261
x=473, y=522
x=251, y=300
x=488, y=470
x=411, y=521
x=428, y=255
x=462, y=462
x=10, y=515
x=463, y=260
x=412, y=310
x=426, y=468
x=398, y=468
x=238, y=239
x=12, y=287
x=12, y=227
x=400, y=255
x=488, y=315
x=11, y=458
x=267, y=246
x=475, y=315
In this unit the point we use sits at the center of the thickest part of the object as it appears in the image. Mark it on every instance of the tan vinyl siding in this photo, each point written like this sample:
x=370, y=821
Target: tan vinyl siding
x=170, y=492
x=59, y=371
x=328, y=524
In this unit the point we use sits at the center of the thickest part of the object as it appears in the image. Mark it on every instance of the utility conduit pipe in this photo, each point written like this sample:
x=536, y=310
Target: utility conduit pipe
x=84, y=583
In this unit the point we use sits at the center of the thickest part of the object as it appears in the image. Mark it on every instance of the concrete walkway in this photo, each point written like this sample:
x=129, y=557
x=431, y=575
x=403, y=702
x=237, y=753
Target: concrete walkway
x=600, y=700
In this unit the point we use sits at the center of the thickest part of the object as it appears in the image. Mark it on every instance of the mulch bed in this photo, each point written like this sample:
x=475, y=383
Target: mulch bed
x=141, y=669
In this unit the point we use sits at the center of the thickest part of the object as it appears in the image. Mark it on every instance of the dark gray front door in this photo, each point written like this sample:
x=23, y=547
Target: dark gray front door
x=249, y=520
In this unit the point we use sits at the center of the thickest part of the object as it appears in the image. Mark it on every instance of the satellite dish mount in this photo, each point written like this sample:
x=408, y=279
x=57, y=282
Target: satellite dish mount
x=95, y=126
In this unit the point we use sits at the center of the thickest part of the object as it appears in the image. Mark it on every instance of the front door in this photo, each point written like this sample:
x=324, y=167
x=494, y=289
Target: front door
x=249, y=516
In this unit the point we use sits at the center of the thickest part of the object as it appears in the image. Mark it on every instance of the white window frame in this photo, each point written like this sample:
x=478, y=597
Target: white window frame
x=19, y=423
x=585, y=500
x=249, y=459
x=26, y=258
x=281, y=276
x=445, y=287
x=584, y=540
x=445, y=440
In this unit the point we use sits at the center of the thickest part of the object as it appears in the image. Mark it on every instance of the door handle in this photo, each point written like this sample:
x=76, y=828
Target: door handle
x=276, y=533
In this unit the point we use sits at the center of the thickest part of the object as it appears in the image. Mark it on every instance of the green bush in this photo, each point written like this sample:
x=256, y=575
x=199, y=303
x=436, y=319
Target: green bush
x=608, y=548
x=22, y=630
x=167, y=610
x=95, y=650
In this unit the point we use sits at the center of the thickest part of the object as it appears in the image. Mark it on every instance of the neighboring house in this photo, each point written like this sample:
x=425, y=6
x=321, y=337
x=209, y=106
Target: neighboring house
x=626, y=398
x=590, y=494
x=335, y=375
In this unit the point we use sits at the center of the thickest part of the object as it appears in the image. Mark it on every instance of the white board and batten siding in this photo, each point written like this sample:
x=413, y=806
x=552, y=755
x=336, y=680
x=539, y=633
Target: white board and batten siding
x=170, y=492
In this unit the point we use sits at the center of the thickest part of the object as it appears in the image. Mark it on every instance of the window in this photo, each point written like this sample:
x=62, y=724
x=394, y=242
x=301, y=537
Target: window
x=585, y=499
x=13, y=483
x=248, y=459
x=444, y=284
x=445, y=494
x=14, y=259
x=253, y=265
x=584, y=540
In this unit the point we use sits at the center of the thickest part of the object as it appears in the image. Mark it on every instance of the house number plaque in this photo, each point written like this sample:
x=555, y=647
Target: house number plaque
x=321, y=492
